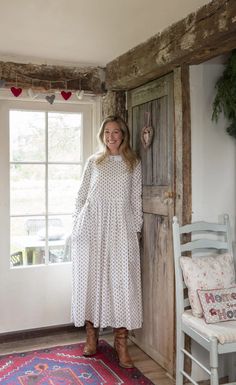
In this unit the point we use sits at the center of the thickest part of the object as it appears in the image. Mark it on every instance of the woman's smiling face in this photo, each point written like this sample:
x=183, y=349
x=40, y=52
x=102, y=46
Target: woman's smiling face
x=113, y=137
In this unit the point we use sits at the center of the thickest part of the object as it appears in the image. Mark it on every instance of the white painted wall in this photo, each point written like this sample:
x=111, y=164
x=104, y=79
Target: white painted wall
x=213, y=156
x=213, y=150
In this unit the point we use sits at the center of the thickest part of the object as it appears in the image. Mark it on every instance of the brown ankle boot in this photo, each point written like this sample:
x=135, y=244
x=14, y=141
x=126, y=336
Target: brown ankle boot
x=120, y=344
x=90, y=347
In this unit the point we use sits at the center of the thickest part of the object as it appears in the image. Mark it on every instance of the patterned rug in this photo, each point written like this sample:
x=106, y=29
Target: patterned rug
x=65, y=365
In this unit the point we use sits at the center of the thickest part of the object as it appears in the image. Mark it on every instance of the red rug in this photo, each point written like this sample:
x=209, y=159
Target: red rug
x=65, y=365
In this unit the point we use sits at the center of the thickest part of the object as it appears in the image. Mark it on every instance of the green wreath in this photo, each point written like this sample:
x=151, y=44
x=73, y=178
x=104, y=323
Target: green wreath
x=225, y=100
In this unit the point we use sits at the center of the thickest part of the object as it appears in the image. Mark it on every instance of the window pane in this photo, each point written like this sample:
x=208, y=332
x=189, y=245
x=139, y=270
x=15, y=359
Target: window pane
x=27, y=186
x=27, y=241
x=27, y=136
x=59, y=231
x=64, y=137
x=63, y=182
x=42, y=194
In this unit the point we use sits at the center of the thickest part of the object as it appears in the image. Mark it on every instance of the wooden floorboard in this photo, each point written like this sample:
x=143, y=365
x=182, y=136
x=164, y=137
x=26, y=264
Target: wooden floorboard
x=143, y=362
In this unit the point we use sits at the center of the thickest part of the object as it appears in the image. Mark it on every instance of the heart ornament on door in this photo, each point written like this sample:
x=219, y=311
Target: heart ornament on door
x=146, y=136
x=16, y=91
x=66, y=94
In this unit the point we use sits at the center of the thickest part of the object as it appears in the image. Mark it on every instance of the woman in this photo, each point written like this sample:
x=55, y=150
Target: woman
x=106, y=288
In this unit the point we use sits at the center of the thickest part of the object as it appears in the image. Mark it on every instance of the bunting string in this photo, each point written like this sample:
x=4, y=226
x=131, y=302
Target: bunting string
x=50, y=94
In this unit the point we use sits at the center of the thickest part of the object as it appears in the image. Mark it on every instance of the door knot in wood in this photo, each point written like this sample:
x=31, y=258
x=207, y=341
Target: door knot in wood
x=168, y=198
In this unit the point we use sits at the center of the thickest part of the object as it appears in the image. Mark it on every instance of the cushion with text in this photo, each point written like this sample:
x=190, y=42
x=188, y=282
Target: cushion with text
x=218, y=304
x=206, y=272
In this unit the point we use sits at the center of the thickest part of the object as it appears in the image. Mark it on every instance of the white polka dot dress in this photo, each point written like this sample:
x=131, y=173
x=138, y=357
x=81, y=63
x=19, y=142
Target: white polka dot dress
x=106, y=285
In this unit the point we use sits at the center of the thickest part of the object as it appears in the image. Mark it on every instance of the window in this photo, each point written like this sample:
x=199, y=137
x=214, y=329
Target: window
x=46, y=160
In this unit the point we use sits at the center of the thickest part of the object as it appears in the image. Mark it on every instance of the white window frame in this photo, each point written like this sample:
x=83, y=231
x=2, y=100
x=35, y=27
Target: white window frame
x=90, y=107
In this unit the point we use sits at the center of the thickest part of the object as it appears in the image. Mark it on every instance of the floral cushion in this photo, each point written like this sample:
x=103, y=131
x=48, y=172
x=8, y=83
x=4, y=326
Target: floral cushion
x=206, y=272
x=218, y=304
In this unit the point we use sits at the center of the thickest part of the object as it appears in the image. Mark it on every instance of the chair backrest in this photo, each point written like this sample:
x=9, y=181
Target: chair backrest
x=33, y=225
x=197, y=237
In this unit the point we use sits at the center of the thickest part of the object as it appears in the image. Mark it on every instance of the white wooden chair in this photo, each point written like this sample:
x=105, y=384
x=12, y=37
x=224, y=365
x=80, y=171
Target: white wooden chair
x=207, y=335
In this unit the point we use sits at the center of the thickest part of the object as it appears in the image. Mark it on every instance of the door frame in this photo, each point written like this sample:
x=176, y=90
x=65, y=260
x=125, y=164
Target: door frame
x=182, y=140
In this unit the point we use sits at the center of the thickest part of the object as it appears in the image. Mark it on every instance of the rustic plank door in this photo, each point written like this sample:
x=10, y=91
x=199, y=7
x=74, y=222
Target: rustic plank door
x=152, y=106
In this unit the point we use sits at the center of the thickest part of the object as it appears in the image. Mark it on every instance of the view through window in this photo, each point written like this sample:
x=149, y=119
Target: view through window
x=45, y=168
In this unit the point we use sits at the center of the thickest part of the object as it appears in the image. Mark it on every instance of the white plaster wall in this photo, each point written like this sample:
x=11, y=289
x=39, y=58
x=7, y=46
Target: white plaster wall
x=213, y=150
x=213, y=157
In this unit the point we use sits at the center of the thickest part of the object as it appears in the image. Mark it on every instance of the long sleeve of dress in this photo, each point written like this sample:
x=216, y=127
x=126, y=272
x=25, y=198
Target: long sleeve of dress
x=136, y=197
x=83, y=188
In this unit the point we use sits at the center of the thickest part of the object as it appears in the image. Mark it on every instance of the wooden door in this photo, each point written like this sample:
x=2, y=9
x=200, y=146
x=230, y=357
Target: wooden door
x=152, y=105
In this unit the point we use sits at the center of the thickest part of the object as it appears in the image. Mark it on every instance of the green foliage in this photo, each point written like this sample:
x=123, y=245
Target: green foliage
x=225, y=100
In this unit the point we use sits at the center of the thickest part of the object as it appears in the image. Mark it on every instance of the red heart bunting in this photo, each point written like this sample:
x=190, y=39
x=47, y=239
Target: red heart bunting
x=16, y=91
x=66, y=94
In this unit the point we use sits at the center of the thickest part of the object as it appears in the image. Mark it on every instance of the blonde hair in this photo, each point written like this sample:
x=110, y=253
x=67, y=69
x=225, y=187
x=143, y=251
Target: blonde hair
x=128, y=155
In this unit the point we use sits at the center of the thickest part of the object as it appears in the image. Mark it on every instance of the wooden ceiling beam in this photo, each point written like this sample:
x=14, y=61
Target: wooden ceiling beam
x=46, y=77
x=204, y=34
